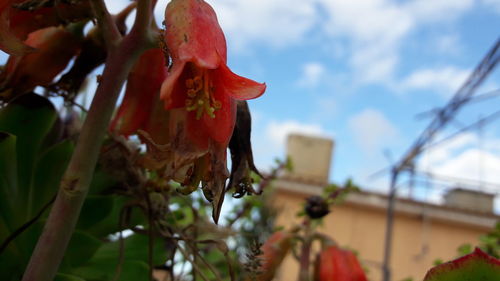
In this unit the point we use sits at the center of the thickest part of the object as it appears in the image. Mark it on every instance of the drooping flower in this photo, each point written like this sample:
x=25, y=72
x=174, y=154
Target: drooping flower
x=241, y=154
x=55, y=48
x=18, y=18
x=336, y=264
x=274, y=251
x=201, y=92
x=141, y=107
x=200, y=81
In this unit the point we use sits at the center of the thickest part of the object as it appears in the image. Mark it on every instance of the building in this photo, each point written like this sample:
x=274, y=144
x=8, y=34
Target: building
x=422, y=233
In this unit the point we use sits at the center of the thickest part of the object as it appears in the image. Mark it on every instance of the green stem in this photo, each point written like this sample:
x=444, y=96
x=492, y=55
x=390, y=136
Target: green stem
x=52, y=244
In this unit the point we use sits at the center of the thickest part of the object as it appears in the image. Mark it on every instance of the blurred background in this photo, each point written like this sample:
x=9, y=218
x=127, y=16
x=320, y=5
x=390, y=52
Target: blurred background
x=370, y=74
x=364, y=90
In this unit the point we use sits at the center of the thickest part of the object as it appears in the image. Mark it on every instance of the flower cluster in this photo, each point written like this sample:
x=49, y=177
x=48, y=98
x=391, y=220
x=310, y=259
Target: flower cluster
x=181, y=97
x=186, y=115
x=42, y=37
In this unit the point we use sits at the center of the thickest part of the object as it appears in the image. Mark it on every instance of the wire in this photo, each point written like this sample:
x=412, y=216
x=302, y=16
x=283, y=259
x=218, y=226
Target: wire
x=480, y=122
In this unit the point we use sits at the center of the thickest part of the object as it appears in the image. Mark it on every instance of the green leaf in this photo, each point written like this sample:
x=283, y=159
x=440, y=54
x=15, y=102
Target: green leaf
x=15, y=257
x=110, y=224
x=8, y=182
x=49, y=171
x=30, y=118
x=132, y=270
x=95, y=209
x=136, y=247
x=464, y=249
x=477, y=266
x=81, y=248
x=67, y=277
x=103, y=264
x=101, y=182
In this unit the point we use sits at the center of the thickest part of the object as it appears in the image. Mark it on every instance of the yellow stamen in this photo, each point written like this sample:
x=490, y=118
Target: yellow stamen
x=200, y=96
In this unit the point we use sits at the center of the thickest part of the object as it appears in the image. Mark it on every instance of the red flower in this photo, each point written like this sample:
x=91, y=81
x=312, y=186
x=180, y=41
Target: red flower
x=55, y=48
x=336, y=264
x=141, y=106
x=201, y=92
x=274, y=251
x=200, y=82
x=17, y=22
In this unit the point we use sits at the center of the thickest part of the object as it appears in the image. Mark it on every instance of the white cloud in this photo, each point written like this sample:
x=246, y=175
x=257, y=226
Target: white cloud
x=277, y=132
x=446, y=80
x=276, y=22
x=372, y=130
x=437, y=155
x=473, y=164
x=312, y=73
x=374, y=28
x=461, y=162
x=438, y=10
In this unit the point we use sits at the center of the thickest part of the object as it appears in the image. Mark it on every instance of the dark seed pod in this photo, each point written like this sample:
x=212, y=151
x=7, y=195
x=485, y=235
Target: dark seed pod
x=316, y=207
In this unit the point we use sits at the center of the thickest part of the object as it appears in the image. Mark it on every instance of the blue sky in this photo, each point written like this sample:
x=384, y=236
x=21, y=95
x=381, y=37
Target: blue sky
x=360, y=71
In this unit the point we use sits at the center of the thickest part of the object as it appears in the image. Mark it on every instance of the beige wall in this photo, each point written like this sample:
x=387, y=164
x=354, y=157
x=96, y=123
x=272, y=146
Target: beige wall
x=418, y=239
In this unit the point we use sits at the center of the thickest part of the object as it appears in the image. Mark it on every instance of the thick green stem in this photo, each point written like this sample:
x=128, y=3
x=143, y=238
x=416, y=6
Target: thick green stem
x=63, y=217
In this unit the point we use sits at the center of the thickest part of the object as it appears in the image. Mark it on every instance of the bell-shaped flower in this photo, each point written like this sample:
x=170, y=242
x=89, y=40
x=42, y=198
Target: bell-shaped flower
x=336, y=264
x=202, y=90
x=241, y=154
x=55, y=48
x=200, y=81
x=18, y=18
x=274, y=251
x=141, y=107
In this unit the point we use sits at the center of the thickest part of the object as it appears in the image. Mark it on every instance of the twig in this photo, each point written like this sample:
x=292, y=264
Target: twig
x=25, y=226
x=110, y=31
x=143, y=17
x=211, y=267
x=124, y=213
x=186, y=256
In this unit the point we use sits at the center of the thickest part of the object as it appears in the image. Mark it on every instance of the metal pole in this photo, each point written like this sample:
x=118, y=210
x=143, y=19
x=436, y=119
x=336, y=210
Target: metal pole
x=386, y=269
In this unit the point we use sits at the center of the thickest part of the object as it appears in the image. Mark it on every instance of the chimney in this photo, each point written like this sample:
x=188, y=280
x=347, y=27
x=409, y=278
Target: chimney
x=311, y=157
x=471, y=200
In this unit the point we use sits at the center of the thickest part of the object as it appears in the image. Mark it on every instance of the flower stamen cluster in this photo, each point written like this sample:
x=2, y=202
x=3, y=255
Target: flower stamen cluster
x=200, y=97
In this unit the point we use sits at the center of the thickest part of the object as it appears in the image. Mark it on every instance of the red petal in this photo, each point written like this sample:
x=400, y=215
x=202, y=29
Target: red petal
x=221, y=126
x=143, y=85
x=336, y=264
x=15, y=24
x=173, y=90
x=193, y=33
x=238, y=87
x=56, y=46
x=9, y=43
x=188, y=135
